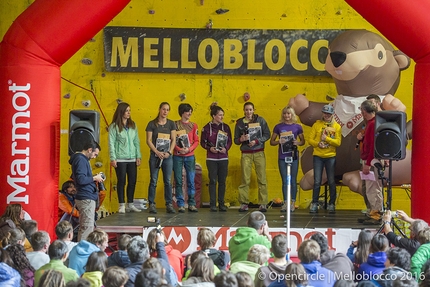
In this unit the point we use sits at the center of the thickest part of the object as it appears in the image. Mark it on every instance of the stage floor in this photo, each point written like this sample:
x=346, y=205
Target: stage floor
x=300, y=219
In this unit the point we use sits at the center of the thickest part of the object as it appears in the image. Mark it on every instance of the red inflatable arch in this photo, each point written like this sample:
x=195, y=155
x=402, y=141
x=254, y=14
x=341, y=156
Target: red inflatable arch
x=40, y=40
x=406, y=25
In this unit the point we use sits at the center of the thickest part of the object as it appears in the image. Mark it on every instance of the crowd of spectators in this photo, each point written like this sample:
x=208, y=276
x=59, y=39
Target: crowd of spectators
x=375, y=259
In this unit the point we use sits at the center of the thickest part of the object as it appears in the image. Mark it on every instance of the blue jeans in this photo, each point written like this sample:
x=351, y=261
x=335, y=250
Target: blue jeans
x=166, y=167
x=319, y=164
x=283, y=171
x=123, y=170
x=189, y=162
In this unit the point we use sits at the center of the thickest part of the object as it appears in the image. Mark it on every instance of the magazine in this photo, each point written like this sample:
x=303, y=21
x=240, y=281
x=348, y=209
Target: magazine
x=182, y=139
x=163, y=142
x=221, y=140
x=287, y=138
x=254, y=131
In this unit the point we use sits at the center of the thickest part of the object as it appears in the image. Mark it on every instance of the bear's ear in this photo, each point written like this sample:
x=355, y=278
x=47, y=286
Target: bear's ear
x=401, y=59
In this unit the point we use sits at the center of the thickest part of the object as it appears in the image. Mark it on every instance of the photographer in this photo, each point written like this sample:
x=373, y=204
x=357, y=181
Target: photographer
x=416, y=225
x=87, y=190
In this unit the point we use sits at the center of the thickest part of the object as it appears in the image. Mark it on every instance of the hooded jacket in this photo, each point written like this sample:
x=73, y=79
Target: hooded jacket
x=175, y=259
x=244, y=238
x=240, y=129
x=339, y=263
x=319, y=276
x=119, y=258
x=269, y=274
x=245, y=266
x=209, y=138
x=83, y=177
x=94, y=277
x=375, y=264
x=9, y=277
x=79, y=255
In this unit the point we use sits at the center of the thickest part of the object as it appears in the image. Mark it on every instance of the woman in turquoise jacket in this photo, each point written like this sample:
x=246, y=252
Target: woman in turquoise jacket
x=125, y=157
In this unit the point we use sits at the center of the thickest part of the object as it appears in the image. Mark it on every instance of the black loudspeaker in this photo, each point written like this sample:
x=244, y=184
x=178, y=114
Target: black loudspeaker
x=390, y=135
x=84, y=125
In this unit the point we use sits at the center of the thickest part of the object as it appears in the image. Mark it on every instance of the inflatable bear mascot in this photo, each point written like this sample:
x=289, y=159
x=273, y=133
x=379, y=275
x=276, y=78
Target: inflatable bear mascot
x=361, y=63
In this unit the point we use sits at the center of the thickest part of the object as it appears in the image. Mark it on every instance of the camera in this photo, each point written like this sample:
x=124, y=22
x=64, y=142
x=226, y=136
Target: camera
x=101, y=185
x=156, y=220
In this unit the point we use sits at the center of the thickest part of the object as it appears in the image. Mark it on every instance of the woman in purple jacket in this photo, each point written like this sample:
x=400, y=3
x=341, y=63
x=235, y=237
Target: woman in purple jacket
x=216, y=139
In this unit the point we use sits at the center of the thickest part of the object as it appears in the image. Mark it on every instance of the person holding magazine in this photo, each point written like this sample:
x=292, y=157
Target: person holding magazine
x=325, y=136
x=216, y=139
x=187, y=139
x=160, y=137
x=288, y=134
x=251, y=132
x=124, y=151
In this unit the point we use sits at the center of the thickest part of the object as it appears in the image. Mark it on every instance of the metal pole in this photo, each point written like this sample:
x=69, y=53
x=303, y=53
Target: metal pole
x=288, y=213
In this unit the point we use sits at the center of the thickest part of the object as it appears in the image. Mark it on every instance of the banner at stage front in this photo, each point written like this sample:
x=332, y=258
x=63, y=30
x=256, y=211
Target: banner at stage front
x=184, y=239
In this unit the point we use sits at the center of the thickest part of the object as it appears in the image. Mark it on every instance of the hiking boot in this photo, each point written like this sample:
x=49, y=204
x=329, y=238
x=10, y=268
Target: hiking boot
x=181, y=209
x=284, y=207
x=192, y=208
x=152, y=208
x=213, y=209
x=313, y=208
x=131, y=208
x=121, y=208
x=375, y=214
x=222, y=208
x=331, y=208
x=243, y=207
x=263, y=208
x=170, y=209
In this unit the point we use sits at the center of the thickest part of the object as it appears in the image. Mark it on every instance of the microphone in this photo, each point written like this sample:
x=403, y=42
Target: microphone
x=377, y=164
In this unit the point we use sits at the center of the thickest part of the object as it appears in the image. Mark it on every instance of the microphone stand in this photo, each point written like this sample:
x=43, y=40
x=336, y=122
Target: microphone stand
x=389, y=198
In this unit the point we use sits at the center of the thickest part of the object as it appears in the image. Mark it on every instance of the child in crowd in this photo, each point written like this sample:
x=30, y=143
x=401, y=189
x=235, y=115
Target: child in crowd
x=114, y=277
x=120, y=257
x=206, y=240
x=96, y=266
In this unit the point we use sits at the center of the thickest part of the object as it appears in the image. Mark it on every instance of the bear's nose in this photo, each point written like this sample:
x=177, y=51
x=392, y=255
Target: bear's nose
x=337, y=58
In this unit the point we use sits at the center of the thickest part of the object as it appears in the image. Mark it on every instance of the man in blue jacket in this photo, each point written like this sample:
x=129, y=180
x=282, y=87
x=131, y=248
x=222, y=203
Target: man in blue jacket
x=85, y=183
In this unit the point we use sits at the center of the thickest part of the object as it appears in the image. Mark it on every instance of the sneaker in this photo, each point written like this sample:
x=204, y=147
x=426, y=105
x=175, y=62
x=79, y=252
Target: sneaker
x=121, y=208
x=331, y=208
x=284, y=207
x=152, y=208
x=263, y=208
x=181, y=209
x=213, y=209
x=293, y=206
x=131, y=208
x=313, y=208
x=222, y=208
x=170, y=209
x=192, y=208
x=243, y=207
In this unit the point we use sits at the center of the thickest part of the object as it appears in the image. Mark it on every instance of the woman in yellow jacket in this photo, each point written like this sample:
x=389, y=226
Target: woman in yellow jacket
x=325, y=137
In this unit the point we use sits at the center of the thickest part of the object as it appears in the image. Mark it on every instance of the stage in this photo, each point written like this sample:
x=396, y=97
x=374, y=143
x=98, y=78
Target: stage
x=181, y=228
x=300, y=218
